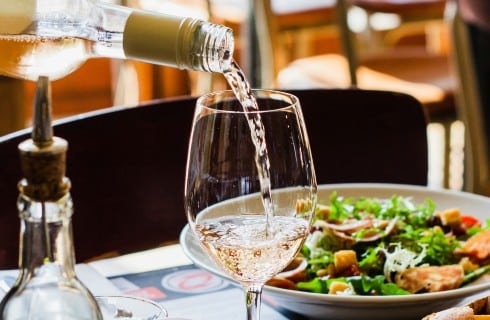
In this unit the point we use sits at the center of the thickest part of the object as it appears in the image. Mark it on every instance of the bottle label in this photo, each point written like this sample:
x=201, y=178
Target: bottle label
x=16, y=16
x=152, y=38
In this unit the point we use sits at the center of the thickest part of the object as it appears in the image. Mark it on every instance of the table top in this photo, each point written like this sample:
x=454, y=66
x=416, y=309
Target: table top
x=143, y=261
x=167, y=276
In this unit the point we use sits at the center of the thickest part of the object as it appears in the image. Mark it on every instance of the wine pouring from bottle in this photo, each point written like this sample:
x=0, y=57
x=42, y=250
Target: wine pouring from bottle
x=54, y=38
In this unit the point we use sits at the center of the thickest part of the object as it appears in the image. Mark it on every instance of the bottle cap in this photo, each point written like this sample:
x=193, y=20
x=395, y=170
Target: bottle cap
x=16, y=16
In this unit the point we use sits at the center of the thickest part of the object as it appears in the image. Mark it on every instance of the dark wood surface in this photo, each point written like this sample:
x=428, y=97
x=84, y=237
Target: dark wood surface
x=127, y=165
x=420, y=8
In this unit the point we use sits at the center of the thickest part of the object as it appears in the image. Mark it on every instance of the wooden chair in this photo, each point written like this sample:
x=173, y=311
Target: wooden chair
x=413, y=70
x=416, y=72
x=350, y=128
x=420, y=22
x=127, y=165
x=269, y=35
x=284, y=30
x=470, y=35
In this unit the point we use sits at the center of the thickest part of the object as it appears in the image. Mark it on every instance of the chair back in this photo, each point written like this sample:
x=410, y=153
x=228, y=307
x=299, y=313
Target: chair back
x=469, y=22
x=271, y=26
x=366, y=136
x=127, y=165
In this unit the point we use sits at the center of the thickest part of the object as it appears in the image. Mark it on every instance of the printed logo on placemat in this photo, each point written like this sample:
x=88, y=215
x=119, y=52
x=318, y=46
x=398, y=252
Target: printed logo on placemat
x=152, y=293
x=171, y=283
x=193, y=281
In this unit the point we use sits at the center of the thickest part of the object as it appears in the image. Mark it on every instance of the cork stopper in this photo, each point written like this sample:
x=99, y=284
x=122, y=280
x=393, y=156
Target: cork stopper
x=43, y=157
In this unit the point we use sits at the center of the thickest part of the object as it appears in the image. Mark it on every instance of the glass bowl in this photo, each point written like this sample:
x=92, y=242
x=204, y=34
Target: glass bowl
x=130, y=307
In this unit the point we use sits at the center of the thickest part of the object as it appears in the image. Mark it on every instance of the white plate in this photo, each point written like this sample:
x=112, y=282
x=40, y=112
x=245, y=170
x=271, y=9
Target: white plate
x=323, y=306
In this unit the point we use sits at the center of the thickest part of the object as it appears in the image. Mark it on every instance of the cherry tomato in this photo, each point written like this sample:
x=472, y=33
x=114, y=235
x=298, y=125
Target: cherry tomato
x=469, y=221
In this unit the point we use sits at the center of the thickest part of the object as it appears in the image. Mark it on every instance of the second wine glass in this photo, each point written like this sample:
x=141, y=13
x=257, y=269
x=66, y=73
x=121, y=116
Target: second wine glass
x=250, y=200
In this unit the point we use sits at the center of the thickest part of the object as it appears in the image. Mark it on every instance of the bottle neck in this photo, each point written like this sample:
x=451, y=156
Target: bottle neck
x=206, y=47
x=46, y=235
x=47, y=286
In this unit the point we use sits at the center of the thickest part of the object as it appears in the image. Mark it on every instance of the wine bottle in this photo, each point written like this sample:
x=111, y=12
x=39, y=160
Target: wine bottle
x=53, y=38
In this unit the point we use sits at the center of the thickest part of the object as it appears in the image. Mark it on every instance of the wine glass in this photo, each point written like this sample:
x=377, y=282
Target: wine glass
x=250, y=187
x=130, y=307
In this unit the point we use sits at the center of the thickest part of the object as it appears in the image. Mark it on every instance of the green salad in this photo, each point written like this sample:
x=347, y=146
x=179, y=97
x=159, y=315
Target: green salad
x=370, y=246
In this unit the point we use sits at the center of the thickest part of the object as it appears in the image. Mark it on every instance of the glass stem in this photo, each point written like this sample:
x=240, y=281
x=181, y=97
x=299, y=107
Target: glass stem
x=253, y=295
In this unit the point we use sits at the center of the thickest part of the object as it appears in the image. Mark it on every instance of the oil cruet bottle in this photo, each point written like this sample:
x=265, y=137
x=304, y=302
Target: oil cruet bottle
x=47, y=286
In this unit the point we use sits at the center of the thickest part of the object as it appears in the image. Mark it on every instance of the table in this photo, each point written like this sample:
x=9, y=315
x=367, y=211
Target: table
x=167, y=276
x=189, y=292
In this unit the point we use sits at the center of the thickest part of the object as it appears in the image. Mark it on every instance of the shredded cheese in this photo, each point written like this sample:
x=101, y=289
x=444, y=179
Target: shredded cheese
x=400, y=260
x=314, y=239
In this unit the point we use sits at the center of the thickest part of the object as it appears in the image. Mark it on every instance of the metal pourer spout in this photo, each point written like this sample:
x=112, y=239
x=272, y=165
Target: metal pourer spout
x=43, y=157
x=42, y=131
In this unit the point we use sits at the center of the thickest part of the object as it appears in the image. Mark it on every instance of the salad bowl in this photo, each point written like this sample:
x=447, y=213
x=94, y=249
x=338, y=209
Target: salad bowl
x=350, y=307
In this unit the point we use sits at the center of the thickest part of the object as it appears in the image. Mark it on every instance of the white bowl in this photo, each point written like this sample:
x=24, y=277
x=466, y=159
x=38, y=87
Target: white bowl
x=337, y=307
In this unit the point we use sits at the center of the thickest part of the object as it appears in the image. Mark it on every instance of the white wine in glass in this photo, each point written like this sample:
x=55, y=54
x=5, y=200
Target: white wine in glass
x=250, y=186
